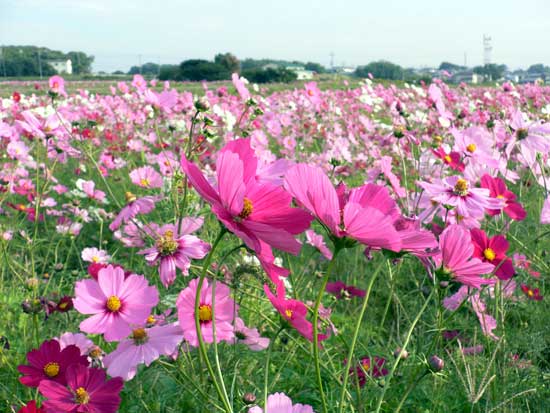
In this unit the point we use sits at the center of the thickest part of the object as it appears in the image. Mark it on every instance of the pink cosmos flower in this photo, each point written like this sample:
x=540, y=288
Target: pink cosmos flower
x=165, y=100
x=493, y=250
x=249, y=336
x=359, y=216
x=498, y=189
x=257, y=212
x=79, y=340
x=224, y=311
x=458, y=192
x=293, y=311
x=30, y=407
x=95, y=255
x=87, y=391
x=317, y=241
x=89, y=189
x=452, y=159
x=146, y=177
x=116, y=302
x=49, y=363
x=240, y=86
x=341, y=290
x=531, y=293
x=370, y=367
x=173, y=250
x=57, y=85
x=144, y=346
x=531, y=137
x=455, y=260
x=281, y=403
x=545, y=212
x=134, y=207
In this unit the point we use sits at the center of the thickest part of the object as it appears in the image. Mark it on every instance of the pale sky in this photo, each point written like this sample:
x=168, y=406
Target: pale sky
x=410, y=33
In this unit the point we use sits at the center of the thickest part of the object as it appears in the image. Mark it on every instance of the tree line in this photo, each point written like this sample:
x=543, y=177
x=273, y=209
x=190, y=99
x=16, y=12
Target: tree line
x=18, y=61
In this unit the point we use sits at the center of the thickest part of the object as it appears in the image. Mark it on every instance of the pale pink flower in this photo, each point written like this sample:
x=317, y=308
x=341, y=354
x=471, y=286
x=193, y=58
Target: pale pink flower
x=144, y=346
x=77, y=339
x=134, y=207
x=146, y=177
x=89, y=189
x=249, y=336
x=96, y=255
x=545, y=212
x=281, y=403
x=317, y=241
x=115, y=302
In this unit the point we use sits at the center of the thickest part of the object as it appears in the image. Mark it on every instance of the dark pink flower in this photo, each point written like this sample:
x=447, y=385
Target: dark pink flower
x=531, y=293
x=493, y=250
x=498, y=190
x=134, y=207
x=87, y=391
x=341, y=290
x=49, y=362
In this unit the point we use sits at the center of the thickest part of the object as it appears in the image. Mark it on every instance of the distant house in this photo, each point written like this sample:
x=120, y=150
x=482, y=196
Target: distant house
x=344, y=70
x=62, y=66
x=537, y=77
x=301, y=72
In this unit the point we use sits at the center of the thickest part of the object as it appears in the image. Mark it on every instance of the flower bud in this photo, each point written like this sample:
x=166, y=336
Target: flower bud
x=398, y=351
x=249, y=398
x=202, y=104
x=436, y=364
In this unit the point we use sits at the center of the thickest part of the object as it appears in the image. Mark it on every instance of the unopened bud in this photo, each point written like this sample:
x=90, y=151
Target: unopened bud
x=404, y=354
x=436, y=364
x=249, y=398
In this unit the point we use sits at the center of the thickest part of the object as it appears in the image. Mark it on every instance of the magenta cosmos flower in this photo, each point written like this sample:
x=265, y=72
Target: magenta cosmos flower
x=144, y=346
x=455, y=260
x=87, y=391
x=458, y=192
x=116, y=302
x=173, y=251
x=30, y=407
x=493, y=250
x=363, y=214
x=281, y=403
x=134, y=206
x=49, y=362
x=257, y=212
x=249, y=336
x=223, y=312
x=293, y=311
x=498, y=190
x=146, y=177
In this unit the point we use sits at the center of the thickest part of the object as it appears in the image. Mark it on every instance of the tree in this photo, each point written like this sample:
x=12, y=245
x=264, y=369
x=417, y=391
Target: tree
x=492, y=71
x=315, y=67
x=148, y=68
x=381, y=70
x=229, y=61
x=270, y=75
x=538, y=68
x=451, y=67
x=82, y=63
x=199, y=69
x=170, y=72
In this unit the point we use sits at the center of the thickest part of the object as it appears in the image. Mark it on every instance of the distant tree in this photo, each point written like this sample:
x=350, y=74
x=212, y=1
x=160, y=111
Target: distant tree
x=198, y=69
x=229, y=61
x=81, y=62
x=381, y=70
x=148, y=68
x=315, y=67
x=270, y=75
x=492, y=71
x=537, y=68
x=450, y=67
x=170, y=72
x=118, y=72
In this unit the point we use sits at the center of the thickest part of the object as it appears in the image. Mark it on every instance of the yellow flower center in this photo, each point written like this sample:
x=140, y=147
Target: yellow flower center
x=205, y=313
x=500, y=196
x=471, y=148
x=438, y=139
x=51, y=369
x=447, y=158
x=530, y=293
x=166, y=244
x=144, y=182
x=81, y=396
x=95, y=259
x=366, y=365
x=95, y=352
x=461, y=187
x=130, y=197
x=139, y=335
x=288, y=313
x=247, y=209
x=63, y=306
x=151, y=319
x=114, y=303
x=489, y=254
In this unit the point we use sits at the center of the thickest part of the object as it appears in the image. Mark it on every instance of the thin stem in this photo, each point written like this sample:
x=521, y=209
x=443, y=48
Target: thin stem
x=266, y=369
x=355, y=336
x=316, y=329
x=413, y=384
x=403, y=349
x=202, y=345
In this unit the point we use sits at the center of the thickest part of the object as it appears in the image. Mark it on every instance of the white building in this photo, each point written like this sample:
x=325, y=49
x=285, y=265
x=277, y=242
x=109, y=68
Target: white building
x=301, y=72
x=62, y=66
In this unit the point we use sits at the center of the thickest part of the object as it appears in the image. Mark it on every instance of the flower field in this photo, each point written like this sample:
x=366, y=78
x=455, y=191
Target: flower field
x=366, y=248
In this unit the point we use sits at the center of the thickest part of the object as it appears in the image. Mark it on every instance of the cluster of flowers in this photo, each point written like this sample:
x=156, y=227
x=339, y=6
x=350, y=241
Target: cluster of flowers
x=461, y=179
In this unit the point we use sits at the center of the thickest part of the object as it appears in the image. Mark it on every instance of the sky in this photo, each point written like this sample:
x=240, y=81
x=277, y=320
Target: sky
x=411, y=33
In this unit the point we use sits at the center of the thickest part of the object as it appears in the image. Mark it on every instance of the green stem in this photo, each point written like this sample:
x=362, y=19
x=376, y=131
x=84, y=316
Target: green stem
x=202, y=345
x=403, y=349
x=413, y=384
x=355, y=336
x=266, y=371
x=316, y=329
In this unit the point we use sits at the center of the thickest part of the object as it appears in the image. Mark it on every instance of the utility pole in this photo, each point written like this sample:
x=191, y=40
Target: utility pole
x=465, y=59
x=332, y=60
x=139, y=63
